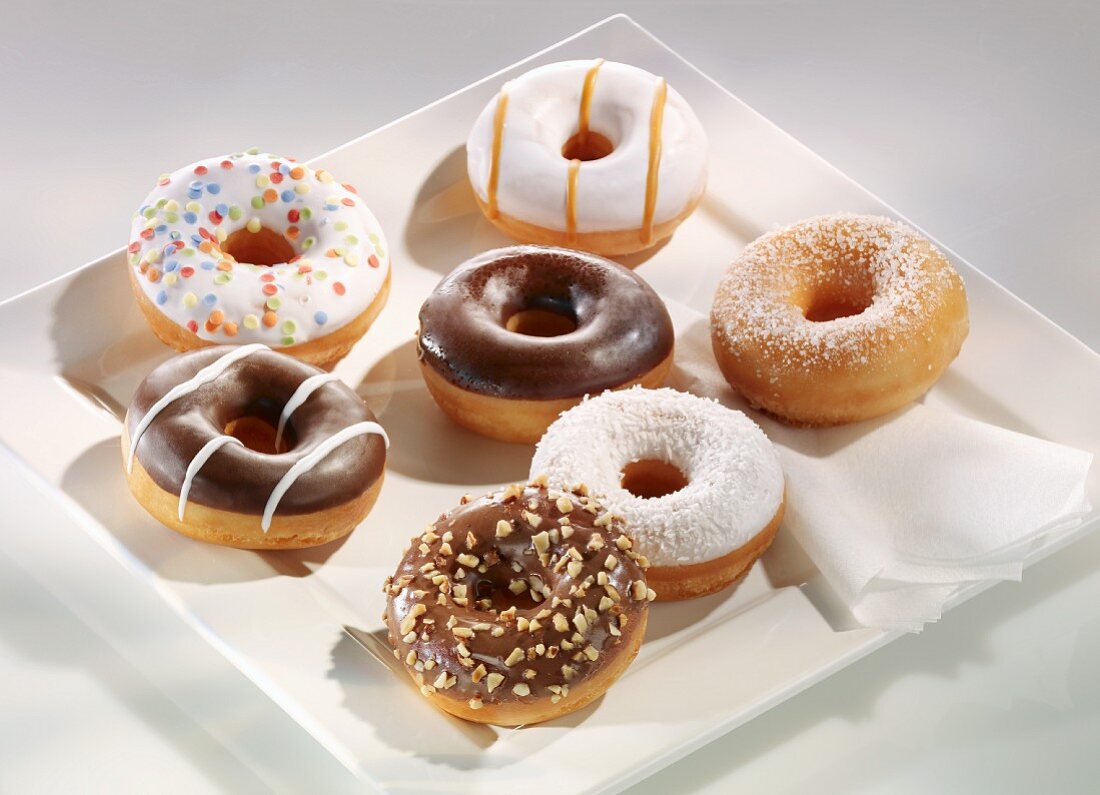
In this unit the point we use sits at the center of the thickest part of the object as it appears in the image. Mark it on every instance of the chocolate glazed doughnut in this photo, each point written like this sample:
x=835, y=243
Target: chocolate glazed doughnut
x=515, y=336
x=520, y=606
x=250, y=448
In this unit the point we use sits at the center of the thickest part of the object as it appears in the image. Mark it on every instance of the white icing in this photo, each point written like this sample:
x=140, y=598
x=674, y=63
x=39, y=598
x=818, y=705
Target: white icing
x=311, y=460
x=542, y=114
x=201, y=457
x=203, y=376
x=735, y=483
x=307, y=292
x=301, y=394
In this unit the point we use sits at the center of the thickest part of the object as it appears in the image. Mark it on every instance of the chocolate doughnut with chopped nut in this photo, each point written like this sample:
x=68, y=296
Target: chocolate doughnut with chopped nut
x=520, y=606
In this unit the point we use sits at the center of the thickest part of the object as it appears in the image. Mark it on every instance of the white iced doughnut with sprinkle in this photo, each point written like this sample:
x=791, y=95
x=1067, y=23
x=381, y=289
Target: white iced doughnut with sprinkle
x=594, y=155
x=254, y=248
x=699, y=486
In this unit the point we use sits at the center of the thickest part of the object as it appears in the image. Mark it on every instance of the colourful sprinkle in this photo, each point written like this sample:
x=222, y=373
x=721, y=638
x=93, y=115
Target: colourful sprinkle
x=190, y=300
x=320, y=318
x=253, y=225
x=338, y=288
x=251, y=322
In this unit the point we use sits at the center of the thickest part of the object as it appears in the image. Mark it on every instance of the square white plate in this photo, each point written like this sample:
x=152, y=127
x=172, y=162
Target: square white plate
x=73, y=350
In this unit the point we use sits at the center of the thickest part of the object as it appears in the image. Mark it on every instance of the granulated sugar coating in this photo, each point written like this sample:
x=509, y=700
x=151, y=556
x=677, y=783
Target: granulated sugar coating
x=854, y=297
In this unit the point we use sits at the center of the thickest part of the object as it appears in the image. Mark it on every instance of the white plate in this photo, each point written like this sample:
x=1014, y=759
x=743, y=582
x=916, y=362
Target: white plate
x=72, y=351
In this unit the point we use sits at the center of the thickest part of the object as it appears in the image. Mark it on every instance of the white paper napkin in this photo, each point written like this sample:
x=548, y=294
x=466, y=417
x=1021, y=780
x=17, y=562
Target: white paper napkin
x=901, y=512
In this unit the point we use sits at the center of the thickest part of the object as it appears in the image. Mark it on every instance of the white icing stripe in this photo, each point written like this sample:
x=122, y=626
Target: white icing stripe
x=301, y=394
x=201, y=457
x=307, y=463
x=203, y=376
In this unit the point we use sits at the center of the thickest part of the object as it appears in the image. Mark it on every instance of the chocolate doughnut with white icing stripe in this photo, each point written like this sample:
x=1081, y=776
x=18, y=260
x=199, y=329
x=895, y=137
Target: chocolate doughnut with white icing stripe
x=247, y=447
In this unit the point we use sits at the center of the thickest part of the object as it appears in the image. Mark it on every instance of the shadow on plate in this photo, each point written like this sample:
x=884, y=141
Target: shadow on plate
x=445, y=226
x=425, y=444
x=96, y=481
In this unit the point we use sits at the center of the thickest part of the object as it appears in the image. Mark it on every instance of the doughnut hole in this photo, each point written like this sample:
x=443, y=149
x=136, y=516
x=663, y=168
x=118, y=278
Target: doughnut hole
x=263, y=247
x=541, y=323
x=846, y=290
x=586, y=146
x=256, y=433
x=493, y=589
x=651, y=478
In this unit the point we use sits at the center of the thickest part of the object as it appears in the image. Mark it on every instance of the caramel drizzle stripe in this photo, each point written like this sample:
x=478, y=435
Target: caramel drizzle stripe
x=498, y=141
x=571, y=201
x=656, y=122
x=583, y=117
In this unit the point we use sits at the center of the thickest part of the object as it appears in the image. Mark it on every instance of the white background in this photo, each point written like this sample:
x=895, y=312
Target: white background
x=980, y=121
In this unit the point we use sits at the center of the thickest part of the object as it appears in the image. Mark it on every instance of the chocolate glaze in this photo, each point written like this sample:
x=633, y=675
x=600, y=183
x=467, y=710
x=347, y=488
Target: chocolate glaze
x=239, y=479
x=439, y=599
x=623, y=328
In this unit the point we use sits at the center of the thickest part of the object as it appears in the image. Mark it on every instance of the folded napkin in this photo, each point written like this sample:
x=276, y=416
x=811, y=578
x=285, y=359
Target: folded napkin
x=901, y=512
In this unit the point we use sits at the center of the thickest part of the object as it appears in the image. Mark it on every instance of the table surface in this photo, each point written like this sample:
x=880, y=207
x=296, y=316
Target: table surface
x=978, y=121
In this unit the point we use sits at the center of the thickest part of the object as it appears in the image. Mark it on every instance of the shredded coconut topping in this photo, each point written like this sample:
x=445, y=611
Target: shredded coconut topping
x=735, y=483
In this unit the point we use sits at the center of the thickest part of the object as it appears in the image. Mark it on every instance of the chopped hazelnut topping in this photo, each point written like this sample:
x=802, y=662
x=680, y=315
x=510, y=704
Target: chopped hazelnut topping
x=532, y=519
x=513, y=491
x=492, y=681
x=606, y=603
x=503, y=528
x=540, y=481
x=650, y=594
x=580, y=622
x=614, y=630
x=517, y=586
x=535, y=626
x=410, y=658
x=445, y=549
x=564, y=504
x=462, y=632
x=474, y=703
x=466, y=559
x=568, y=672
x=509, y=614
x=521, y=689
x=522, y=624
x=574, y=568
x=444, y=681
x=611, y=563
x=561, y=623
x=566, y=531
x=591, y=653
x=624, y=543
x=596, y=542
x=541, y=542
x=530, y=673
x=496, y=632
x=478, y=674
x=638, y=590
x=513, y=658
x=603, y=520
x=460, y=647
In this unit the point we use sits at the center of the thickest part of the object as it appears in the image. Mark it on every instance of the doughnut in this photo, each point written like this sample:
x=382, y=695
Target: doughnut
x=515, y=336
x=253, y=248
x=246, y=447
x=518, y=607
x=698, y=485
x=837, y=318
x=593, y=155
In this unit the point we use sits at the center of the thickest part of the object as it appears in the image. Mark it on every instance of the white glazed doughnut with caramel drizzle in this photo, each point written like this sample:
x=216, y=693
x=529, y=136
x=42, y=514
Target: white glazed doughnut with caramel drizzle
x=592, y=155
x=246, y=447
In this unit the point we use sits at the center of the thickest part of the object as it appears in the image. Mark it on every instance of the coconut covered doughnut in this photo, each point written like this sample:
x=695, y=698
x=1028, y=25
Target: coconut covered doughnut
x=518, y=607
x=593, y=155
x=699, y=485
x=242, y=446
x=515, y=336
x=838, y=318
x=254, y=248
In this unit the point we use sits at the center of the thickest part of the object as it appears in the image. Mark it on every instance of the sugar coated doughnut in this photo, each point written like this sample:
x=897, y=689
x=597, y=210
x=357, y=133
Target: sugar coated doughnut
x=699, y=485
x=593, y=155
x=242, y=446
x=254, y=248
x=515, y=336
x=837, y=318
x=518, y=607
